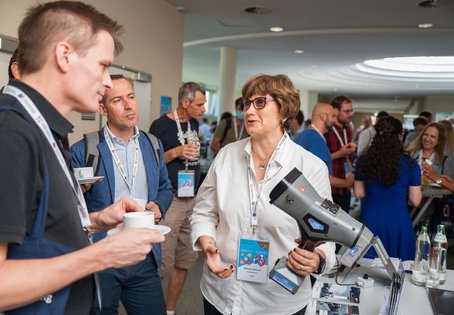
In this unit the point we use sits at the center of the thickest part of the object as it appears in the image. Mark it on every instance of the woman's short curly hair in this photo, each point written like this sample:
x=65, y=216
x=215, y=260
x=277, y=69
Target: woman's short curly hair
x=280, y=88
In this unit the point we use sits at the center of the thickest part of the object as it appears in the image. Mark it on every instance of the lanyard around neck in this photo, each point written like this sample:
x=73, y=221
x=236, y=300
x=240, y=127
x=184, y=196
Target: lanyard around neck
x=343, y=143
x=130, y=185
x=181, y=134
x=180, y=131
x=38, y=118
x=254, y=194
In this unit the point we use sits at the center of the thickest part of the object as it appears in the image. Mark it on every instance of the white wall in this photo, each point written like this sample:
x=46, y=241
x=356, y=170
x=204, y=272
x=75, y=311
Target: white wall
x=153, y=43
x=4, y=62
x=436, y=104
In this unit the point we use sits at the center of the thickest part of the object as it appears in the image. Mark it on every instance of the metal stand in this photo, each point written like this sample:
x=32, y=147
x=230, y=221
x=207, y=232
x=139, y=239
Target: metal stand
x=381, y=251
x=430, y=193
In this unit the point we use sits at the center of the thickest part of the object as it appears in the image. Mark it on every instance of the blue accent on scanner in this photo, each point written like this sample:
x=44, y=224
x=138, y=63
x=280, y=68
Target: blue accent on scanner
x=284, y=281
x=315, y=224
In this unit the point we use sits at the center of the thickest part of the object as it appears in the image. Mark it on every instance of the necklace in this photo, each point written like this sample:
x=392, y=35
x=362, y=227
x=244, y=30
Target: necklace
x=261, y=161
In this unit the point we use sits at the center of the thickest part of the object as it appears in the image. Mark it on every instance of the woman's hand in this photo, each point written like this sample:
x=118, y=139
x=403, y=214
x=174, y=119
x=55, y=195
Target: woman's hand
x=428, y=171
x=213, y=258
x=303, y=262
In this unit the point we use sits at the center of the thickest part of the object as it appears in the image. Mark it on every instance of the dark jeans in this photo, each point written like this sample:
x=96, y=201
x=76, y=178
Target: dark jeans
x=211, y=310
x=343, y=201
x=138, y=287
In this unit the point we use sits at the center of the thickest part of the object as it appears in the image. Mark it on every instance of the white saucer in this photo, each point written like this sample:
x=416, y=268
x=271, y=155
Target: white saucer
x=162, y=228
x=89, y=180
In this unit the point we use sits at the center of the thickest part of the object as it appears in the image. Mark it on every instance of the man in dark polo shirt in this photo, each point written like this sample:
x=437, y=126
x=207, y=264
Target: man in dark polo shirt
x=65, y=49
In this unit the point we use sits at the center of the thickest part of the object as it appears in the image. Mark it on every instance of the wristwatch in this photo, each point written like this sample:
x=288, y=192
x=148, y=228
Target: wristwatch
x=321, y=265
x=438, y=181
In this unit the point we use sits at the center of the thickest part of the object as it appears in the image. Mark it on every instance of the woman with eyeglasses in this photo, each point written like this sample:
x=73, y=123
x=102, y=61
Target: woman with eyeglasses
x=234, y=225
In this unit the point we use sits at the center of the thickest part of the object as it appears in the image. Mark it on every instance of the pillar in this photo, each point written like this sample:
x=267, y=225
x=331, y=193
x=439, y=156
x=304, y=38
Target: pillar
x=227, y=80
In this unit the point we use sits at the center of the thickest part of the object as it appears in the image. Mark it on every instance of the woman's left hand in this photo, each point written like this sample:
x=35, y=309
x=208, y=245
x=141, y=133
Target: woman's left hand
x=302, y=261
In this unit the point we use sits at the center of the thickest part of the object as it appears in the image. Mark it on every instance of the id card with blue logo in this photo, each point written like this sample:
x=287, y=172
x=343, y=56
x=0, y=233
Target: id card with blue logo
x=253, y=260
x=347, y=168
x=186, y=183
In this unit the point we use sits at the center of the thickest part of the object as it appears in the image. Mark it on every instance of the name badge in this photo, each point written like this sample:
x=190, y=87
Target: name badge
x=186, y=183
x=253, y=260
x=348, y=169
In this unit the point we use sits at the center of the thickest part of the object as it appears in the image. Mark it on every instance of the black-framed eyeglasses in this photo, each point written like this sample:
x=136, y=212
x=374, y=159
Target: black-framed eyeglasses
x=259, y=102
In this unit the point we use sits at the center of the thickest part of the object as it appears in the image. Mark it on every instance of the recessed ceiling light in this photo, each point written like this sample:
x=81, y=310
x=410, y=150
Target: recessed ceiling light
x=425, y=25
x=276, y=29
x=298, y=51
x=426, y=64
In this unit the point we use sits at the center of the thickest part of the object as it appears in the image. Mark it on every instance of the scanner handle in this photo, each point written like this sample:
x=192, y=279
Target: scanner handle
x=307, y=245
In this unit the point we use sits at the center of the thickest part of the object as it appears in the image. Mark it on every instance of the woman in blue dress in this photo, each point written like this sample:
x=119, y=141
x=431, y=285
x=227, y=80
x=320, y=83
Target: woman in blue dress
x=385, y=178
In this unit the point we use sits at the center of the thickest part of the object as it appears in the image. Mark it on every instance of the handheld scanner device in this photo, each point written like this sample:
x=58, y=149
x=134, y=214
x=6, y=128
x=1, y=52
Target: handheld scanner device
x=319, y=220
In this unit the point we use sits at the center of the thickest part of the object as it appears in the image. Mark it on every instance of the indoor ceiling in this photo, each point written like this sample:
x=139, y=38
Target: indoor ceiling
x=335, y=35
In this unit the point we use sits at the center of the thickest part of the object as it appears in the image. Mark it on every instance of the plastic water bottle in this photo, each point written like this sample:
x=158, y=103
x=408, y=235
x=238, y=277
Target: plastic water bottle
x=421, y=264
x=437, y=271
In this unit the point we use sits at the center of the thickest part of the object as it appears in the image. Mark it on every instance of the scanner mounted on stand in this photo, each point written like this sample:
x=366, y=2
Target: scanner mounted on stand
x=320, y=220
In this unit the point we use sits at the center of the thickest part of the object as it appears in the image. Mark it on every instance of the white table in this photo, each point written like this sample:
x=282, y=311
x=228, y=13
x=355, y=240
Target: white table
x=414, y=299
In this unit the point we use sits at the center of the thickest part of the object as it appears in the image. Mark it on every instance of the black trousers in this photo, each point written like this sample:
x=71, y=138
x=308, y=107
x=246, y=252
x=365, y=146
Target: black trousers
x=211, y=310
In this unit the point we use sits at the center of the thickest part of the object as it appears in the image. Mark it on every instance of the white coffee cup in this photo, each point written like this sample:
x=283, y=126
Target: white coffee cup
x=83, y=172
x=141, y=202
x=141, y=219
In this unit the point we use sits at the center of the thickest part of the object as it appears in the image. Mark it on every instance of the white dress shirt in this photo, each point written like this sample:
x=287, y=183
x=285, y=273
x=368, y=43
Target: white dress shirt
x=365, y=139
x=223, y=212
x=125, y=153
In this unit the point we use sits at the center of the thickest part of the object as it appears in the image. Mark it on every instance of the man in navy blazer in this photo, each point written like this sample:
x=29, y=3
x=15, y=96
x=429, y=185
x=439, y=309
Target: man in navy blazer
x=128, y=162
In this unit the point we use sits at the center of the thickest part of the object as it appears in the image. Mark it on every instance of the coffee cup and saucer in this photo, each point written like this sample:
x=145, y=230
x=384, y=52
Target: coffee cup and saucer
x=140, y=219
x=84, y=175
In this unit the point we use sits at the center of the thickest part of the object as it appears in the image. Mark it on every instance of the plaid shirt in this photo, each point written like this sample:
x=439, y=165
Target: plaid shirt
x=338, y=164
